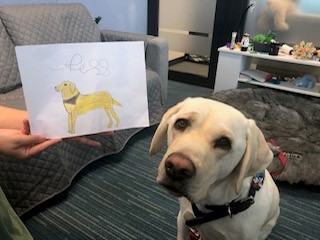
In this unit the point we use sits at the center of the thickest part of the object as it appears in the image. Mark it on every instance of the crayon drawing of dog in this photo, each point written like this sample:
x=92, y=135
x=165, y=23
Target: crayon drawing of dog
x=78, y=104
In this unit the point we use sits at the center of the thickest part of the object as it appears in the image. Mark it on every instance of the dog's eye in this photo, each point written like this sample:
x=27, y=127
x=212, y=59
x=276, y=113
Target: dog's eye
x=181, y=124
x=223, y=143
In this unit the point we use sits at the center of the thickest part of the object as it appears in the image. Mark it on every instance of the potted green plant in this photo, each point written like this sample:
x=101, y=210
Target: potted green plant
x=261, y=42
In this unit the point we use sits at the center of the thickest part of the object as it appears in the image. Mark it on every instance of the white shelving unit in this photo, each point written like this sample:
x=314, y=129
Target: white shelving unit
x=232, y=62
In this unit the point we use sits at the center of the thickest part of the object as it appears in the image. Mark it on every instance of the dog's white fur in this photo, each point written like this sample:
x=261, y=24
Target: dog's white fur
x=279, y=10
x=221, y=175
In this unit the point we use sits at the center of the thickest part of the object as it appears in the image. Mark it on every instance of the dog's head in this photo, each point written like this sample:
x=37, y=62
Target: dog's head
x=68, y=89
x=209, y=142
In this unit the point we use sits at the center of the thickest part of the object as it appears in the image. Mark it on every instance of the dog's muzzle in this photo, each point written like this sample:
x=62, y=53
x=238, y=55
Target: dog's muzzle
x=179, y=167
x=179, y=170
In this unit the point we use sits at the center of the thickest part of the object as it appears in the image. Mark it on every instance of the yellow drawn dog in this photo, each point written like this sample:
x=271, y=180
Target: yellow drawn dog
x=78, y=104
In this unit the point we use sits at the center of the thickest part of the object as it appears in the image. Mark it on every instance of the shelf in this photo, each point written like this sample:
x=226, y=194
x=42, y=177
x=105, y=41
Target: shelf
x=232, y=62
x=286, y=86
x=281, y=57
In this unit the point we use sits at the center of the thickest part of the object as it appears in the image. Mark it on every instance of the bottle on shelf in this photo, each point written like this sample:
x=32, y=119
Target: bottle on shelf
x=245, y=41
x=233, y=40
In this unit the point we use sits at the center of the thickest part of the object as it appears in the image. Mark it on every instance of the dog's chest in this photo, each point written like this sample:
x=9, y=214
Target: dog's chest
x=69, y=107
x=244, y=225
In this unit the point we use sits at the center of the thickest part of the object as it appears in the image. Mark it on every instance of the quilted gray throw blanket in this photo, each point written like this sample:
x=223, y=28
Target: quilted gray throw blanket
x=291, y=120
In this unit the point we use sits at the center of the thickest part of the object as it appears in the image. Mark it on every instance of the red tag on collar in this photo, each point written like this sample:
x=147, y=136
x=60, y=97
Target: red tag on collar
x=281, y=157
x=194, y=235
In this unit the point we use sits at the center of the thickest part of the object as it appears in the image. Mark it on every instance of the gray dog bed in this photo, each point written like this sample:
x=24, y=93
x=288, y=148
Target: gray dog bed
x=291, y=120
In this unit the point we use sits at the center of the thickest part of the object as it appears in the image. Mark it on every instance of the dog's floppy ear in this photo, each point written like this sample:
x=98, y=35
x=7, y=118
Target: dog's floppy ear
x=72, y=87
x=161, y=132
x=257, y=156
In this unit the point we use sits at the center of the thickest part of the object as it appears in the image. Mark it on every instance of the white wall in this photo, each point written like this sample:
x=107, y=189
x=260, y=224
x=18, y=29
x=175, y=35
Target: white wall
x=121, y=15
x=179, y=17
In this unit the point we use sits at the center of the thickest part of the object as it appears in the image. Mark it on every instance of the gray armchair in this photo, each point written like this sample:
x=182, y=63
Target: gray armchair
x=30, y=182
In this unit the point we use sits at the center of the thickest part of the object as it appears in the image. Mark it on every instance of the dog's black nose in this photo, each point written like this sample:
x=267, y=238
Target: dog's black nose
x=179, y=167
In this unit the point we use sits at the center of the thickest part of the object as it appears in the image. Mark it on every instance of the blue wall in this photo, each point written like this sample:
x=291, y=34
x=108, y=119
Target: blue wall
x=121, y=15
x=308, y=6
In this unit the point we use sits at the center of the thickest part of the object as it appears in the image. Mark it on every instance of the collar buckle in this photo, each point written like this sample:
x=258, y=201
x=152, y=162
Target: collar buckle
x=249, y=199
x=229, y=211
x=232, y=208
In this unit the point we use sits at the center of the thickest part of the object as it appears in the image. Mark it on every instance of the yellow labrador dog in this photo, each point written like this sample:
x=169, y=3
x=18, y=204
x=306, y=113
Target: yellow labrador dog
x=216, y=164
x=77, y=104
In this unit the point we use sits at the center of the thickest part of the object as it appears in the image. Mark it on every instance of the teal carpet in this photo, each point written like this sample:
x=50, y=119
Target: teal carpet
x=117, y=198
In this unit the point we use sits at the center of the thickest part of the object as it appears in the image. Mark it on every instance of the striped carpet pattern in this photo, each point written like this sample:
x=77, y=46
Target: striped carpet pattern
x=117, y=198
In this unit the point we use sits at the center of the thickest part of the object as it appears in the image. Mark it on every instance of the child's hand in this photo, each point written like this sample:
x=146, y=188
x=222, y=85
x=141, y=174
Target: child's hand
x=20, y=144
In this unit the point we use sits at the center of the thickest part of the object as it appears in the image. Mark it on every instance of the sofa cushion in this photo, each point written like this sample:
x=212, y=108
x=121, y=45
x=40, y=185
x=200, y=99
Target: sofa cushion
x=49, y=23
x=29, y=183
x=9, y=74
x=13, y=99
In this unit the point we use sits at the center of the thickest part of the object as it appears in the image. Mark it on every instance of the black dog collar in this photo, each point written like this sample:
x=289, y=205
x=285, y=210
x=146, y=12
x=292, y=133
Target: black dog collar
x=72, y=100
x=229, y=209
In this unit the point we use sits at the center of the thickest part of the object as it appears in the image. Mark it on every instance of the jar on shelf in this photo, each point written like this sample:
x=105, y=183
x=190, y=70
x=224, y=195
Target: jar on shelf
x=245, y=41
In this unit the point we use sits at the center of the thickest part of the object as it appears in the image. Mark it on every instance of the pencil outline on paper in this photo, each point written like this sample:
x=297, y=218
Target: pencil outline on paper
x=76, y=104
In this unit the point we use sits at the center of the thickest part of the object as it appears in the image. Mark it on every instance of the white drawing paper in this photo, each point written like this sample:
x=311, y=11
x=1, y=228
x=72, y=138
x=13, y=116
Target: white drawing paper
x=84, y=88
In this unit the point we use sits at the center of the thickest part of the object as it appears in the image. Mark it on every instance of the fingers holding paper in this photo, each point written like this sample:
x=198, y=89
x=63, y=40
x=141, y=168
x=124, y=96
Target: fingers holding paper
x=18, y=144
